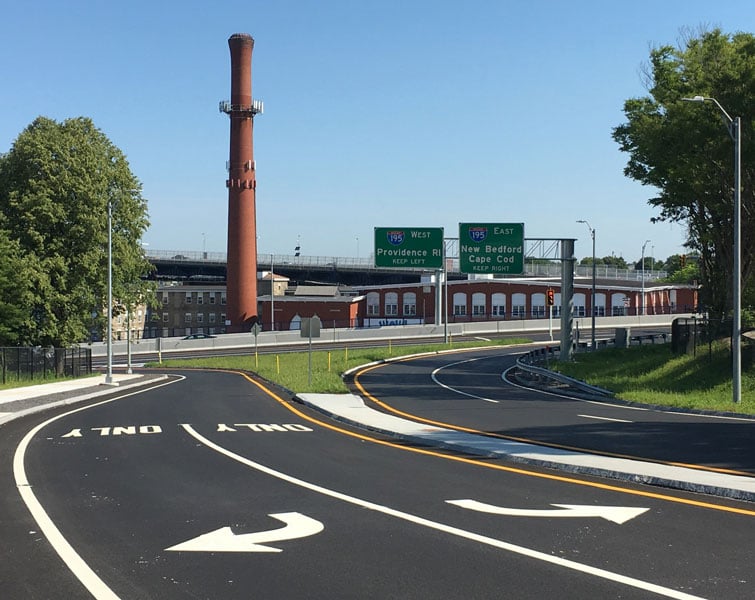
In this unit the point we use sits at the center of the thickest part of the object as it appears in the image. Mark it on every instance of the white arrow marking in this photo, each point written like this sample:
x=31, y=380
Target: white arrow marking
x=617, y=514
x=224, y=540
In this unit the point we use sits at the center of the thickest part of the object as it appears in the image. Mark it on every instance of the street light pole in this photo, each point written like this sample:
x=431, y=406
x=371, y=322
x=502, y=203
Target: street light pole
x=642, y=303
x=129, y=370
x=736, y=380
x=272, y=292
x=592, y=302
x=734, y=126
x=109, y=375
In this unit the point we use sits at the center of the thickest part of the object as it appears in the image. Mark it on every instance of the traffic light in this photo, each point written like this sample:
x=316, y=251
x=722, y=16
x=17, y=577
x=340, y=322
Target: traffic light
x=683, y=260
x=549, y=297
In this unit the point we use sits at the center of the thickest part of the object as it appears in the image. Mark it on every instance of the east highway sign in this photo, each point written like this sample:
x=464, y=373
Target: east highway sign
x=496, y=248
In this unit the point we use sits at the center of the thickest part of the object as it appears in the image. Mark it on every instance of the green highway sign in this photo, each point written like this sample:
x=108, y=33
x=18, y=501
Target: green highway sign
x=409, y=247
x=496, y=248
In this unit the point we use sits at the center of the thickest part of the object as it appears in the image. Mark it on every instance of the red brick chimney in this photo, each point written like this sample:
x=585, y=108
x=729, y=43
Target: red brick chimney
x=241, y=310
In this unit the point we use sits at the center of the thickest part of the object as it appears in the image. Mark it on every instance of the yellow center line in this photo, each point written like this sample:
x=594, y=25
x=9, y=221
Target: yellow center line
x=505, y=468
x=524, y=440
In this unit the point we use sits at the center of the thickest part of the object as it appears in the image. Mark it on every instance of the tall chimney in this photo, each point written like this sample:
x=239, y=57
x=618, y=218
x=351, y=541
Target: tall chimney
x=241, y=309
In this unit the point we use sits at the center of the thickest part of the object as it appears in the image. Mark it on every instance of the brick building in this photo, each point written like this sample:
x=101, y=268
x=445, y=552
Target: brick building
x=186, y=309
x=521, y=298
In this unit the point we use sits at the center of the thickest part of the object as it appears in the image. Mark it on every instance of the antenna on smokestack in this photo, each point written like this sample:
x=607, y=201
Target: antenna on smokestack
x=257, y=107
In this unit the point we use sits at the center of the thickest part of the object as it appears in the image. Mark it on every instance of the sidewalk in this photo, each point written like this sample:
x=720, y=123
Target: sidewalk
x=351, y=409
x=18, y=402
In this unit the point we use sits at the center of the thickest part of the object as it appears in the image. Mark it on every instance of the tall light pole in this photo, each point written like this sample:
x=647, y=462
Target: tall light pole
x=129, y=370
x=734, y=126
x=272, y=292
x=109, y=375
x=642, y=303
x=592, y=303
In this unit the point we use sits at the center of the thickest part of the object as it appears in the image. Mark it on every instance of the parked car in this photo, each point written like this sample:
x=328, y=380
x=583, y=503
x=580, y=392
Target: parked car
x=199, y=336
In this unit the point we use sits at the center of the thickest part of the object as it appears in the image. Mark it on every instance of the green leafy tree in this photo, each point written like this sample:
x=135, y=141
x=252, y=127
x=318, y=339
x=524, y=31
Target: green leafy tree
x=610, y=261
x=16, y=281
x=683, y=151
x=613, y=261
x=55, y=185
x=688, y=274
x=648, y=261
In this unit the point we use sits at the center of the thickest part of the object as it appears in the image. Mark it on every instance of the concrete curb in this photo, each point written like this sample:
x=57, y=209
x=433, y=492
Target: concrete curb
x=351, y=409
x=46, y=402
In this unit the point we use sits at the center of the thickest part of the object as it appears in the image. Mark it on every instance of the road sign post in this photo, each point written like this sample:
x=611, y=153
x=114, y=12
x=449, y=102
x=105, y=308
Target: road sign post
x=256, y=328
x=310, y=327
x=409, y=247
x=491, y=248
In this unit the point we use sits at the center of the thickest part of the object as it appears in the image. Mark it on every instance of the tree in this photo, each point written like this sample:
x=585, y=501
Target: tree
x=16, y=280
x=683, y=150
x=610, y=261
x=55, y=186
x=613, y=261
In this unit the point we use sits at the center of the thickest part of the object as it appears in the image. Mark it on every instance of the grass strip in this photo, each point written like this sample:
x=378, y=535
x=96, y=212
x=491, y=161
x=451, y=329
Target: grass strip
x=292, y=369
x=652, y=374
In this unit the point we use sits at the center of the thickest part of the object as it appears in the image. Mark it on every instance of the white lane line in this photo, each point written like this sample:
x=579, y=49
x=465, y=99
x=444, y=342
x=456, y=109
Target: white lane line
x=528, y=552
x=433, y=376
x=605, y=418
x=81, y=570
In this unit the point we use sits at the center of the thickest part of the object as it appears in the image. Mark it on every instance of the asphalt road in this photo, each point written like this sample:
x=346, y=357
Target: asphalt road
x=469, y=391
x=115, y=499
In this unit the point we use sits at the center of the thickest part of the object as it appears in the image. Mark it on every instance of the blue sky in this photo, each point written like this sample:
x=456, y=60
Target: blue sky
x=377, y=113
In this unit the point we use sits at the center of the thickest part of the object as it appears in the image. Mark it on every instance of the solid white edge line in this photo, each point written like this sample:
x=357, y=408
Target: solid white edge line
x=451, y=389
x=605, y=418
x=81, y=570
x=521, y=550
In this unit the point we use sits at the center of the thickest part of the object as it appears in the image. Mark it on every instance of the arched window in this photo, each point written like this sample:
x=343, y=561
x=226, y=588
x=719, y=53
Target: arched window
x=579, y=309
x=478, y=304
x=600, y=304
x=460, y=304
x=391, y=304
x=538, y=306
x=518, y=306
x=373, y=304
x=410, y=304
x=498, y=304
x=619, y=304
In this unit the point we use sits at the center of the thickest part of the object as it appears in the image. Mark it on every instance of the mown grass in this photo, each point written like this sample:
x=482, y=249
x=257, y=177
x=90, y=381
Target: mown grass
x=651, y=374
x=291, y=369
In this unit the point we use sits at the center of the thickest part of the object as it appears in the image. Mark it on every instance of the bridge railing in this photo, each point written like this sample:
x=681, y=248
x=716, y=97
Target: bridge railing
x=270, y=261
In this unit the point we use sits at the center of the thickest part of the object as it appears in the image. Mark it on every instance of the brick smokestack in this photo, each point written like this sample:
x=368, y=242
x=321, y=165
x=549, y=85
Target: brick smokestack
x=241, y=308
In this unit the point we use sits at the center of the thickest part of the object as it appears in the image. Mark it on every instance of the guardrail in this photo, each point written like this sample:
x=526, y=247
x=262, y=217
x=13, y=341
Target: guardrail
x=531, y=370
x=543, y=377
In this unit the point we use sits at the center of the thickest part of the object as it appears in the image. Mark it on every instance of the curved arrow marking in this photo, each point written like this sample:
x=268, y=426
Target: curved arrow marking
x=617, y=514
x=296, y=526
